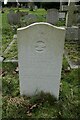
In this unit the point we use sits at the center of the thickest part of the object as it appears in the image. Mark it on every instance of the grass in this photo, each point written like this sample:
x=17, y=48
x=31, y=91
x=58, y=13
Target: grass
x=40, y=17
x=0, y=31
x=12, y=52
x=0, y=92
x=0, y=105
x=73, y=51
x=42, y=105
x=8, y=31
x=0, y=20
x=60, y=23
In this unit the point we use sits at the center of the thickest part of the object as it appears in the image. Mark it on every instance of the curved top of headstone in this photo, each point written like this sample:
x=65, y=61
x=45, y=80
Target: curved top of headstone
x=40, y=23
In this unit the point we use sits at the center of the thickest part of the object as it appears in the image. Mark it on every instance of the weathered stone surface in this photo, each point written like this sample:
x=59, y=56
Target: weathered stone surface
x=52, y=16
x=40, y=51
x=13, y=18
x=71, y=17
x=30, y=18
x=62, y=15
x=72, y=33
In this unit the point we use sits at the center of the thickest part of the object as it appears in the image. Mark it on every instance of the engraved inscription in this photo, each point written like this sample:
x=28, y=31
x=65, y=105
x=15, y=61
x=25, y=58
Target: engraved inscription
x=40, y=46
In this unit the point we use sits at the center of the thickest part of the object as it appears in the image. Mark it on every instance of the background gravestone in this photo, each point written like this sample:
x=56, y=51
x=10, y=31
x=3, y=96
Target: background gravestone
x=40, y=51
x=71, y=21
x=61, y=15
x=30, y=18
x=35, y=7
x=13, y=18
x=52, y=16
x=71, y=17
x=72, y=33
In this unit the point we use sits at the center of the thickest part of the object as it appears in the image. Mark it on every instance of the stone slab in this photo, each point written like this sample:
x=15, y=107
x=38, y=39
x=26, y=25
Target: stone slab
x=72, y=33
x=52, y=16
x=62, y=15
x=30, y=18
x=13, y=18
x=40, y=53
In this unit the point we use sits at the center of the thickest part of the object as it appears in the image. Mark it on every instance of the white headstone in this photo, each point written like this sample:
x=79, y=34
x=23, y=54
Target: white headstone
x=40, y=52
x=52, y=16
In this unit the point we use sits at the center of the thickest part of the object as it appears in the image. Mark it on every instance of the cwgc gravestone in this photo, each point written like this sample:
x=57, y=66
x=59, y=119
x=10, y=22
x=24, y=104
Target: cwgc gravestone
x=40, y=52
x=52, y=16
x=13, y=18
